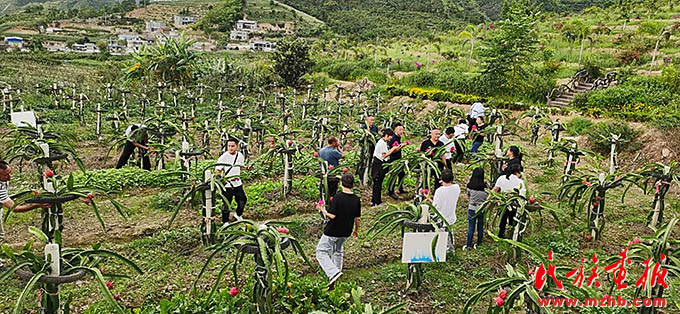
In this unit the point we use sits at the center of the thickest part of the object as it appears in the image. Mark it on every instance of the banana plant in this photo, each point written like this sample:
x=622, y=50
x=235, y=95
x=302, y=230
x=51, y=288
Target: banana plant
x=498, y=204
x=266, y=242
x=664, y=249
x=662, y=177
x=589, y=191
x=62, y=266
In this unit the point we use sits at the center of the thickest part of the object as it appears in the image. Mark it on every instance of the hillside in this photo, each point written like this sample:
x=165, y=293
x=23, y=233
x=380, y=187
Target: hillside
x=10, y=6
x=369, y=19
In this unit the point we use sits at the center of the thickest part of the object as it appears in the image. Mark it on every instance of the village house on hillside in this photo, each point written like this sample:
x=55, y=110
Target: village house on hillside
x=184, y=20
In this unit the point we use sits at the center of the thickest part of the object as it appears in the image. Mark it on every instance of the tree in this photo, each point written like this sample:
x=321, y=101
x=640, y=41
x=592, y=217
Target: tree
x=576, y=30
x=220, y=17
x=291, y=60
x=510, y=48
x=469, y=34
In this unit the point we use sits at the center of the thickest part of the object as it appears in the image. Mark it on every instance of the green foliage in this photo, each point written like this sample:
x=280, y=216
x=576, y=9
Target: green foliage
x=170, y=62
x=352, y=70
x=291, y=60
x=125, y=178
x=221, y=17
x=510, y=49
x=431, y=94
x=163, y=201
x=578, y=126
x=649, y=28
x=645, y=99
x=602, y=131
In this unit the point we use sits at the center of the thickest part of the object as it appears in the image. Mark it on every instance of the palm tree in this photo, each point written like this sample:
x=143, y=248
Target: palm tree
x=471, y=33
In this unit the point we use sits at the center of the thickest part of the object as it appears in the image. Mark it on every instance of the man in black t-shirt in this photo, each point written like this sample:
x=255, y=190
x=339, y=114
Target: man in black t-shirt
x=396, y=141
x=428, y=147
x=344, y=215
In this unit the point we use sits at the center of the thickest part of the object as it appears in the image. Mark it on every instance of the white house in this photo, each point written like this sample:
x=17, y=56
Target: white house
x=52, y=45
x=239, y=35
x=183, y=20
x=246, y=25
x=14, y=42
x=153, y=26
x=85, y=48
x=262, y=45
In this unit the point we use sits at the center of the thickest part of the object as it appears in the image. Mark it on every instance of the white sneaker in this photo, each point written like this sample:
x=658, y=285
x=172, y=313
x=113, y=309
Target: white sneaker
x=465, y=247
x=239, y=218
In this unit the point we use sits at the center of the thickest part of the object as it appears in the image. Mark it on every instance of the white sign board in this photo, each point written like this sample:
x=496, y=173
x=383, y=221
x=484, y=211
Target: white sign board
x=417, y=247
x=24, y=118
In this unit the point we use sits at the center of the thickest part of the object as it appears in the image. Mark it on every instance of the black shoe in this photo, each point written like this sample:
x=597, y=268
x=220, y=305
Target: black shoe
x=392, y=195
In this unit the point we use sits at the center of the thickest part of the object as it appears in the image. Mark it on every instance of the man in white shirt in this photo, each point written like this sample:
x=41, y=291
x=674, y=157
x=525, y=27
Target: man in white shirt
x=508, y=183
x=445, y=201
x=381, y=155
x=449, y=142
x=460, y=132
x=230, y=167
x=477, y=110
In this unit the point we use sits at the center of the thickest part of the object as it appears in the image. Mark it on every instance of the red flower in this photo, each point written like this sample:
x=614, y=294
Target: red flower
x=283, y=230
x=237, y=179
x=605, y=296
x=586, y=183
x=418, y=149
x=330, y=167
x=395, y=144
x=499, y=301
x=407, y=143
x=532, y=200
x=289, y=143
x=636, y=240
x=599, y=198
x=90, y=195
x=49, y=173
x=427, y=150
x=36, y=192
x=109, y=284
x=425, y=191
x=596, y=204
x=589, y=237
x=345, y=169
x=531, y=272
x=330, y=199
x=453, y=148
x=316, y=154
x=321, y=203
x=116, y=297
x=234, y=291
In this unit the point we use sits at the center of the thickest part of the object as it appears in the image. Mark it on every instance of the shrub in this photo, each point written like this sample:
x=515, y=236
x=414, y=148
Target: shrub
x=601, y=132
x=578, y=126
x=432, y=94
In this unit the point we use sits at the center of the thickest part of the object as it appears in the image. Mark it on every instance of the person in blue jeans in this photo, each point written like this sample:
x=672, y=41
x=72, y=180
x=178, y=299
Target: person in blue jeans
x=479, y=137
x=476, y=194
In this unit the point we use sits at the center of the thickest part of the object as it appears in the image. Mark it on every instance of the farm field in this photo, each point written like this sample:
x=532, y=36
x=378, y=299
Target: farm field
x=116, y=163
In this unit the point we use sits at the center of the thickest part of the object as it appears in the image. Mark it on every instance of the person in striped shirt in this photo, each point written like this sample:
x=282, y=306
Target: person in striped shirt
x=6, y=201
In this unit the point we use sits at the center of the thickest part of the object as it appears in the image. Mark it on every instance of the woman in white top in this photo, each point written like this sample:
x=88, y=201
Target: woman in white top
x=507, y=183
x=445, y=201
